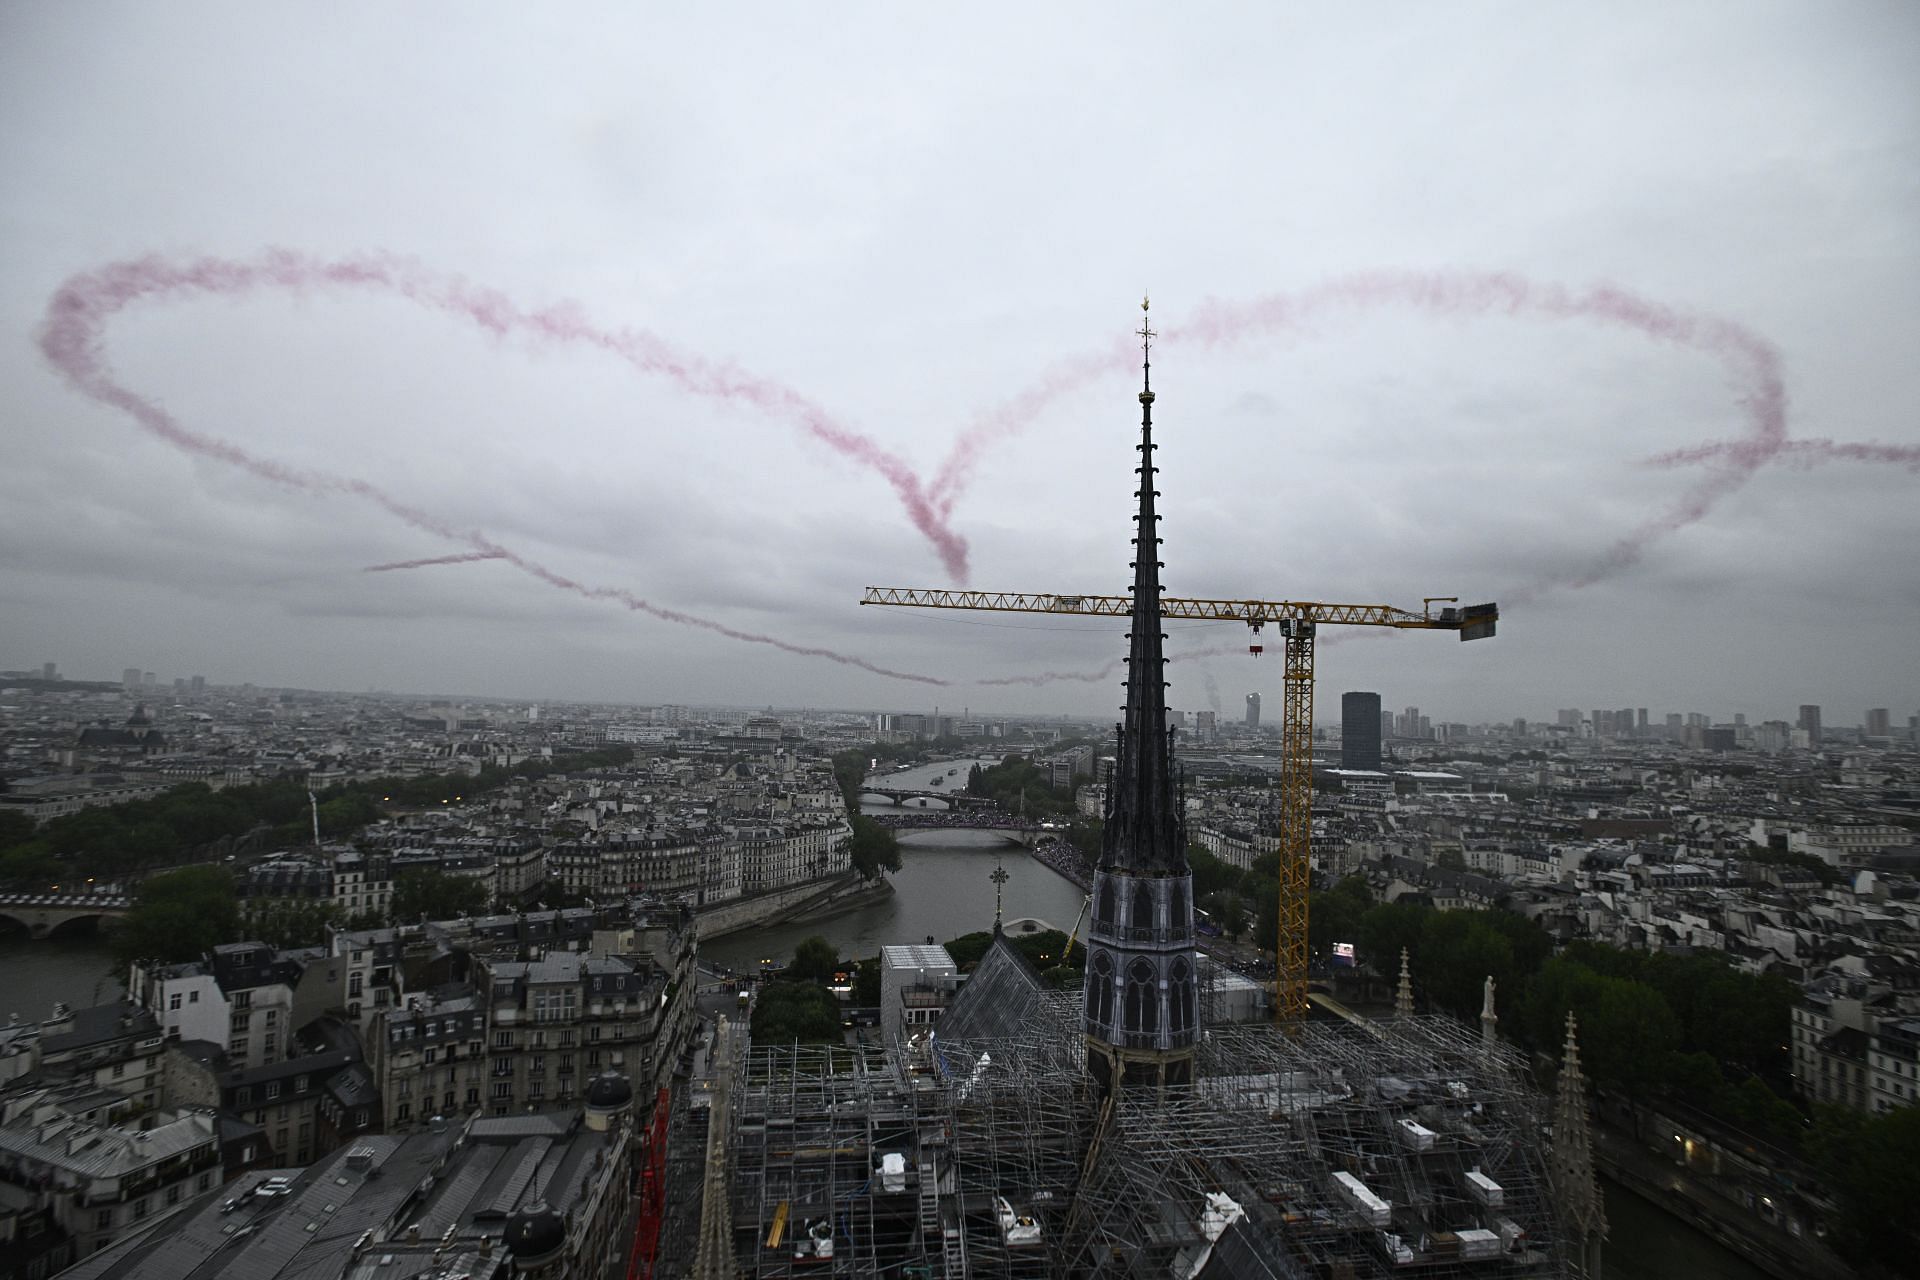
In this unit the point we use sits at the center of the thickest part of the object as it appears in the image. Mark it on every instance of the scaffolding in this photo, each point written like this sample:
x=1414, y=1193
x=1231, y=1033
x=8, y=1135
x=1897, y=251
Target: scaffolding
x=1341, y=1152
x=1336, y=1151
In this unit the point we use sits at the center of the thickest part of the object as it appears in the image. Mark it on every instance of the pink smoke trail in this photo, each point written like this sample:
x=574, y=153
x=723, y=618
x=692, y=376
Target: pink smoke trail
x=1804, y=454
x=83, y=305
x=467, y=557
x=71, y=341
x=1752, y=360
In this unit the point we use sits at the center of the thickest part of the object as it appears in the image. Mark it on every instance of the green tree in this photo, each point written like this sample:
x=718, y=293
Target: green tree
x=288, y=923
x=872, y=848
x=176, y=916
x=1335, y=915
x=427, y=894
x=786, y=1012
x=1385, y=930
x=814, y=960
x=16, y=828
x=866, y=983
x=1873, y=1166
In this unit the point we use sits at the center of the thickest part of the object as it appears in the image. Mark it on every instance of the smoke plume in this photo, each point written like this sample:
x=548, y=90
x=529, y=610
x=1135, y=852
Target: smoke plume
x=72, y=341
x=1751, y=360
x=81, y=308
x=465, y=557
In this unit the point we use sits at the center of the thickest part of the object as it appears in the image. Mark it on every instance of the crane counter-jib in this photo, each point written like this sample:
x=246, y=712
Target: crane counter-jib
x=1477, y=619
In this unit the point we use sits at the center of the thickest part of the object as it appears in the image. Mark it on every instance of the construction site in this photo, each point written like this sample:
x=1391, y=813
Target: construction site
x=1326, y=1151
x=1125, y=1128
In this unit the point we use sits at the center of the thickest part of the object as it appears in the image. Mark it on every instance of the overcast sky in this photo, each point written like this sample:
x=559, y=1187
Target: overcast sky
x=902, y=223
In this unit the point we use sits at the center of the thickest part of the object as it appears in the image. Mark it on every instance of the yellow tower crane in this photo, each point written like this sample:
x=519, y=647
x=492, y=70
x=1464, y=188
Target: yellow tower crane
x=1297, y=622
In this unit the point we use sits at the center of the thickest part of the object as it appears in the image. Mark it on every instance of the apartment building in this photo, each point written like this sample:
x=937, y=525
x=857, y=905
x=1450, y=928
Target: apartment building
x=245, y=997
x=79, y=1153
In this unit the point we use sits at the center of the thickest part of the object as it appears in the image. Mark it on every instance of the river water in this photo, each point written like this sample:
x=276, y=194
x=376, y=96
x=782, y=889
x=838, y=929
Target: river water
x=942, y=890
x=74, y=970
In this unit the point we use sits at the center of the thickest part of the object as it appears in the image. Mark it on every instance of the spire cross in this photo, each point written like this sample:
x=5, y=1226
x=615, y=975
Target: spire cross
x=999, y=878
x=1147, y=335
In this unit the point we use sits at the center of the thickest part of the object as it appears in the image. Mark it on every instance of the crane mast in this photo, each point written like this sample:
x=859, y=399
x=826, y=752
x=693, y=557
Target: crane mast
x=1298, y=623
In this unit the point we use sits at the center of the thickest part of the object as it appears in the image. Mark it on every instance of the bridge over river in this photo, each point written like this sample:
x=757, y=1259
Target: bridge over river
x=45, y=915
x=1020, y=831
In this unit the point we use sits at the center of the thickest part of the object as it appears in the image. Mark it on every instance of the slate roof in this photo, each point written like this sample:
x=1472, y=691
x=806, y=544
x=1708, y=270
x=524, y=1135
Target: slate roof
x=997, y=1000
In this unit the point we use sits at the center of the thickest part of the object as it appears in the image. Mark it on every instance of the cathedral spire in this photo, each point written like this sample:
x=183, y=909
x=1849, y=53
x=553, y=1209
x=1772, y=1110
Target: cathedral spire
x=1141, y=1006
x=1144, y=832
x=1573, y=1177
x=1403, y=998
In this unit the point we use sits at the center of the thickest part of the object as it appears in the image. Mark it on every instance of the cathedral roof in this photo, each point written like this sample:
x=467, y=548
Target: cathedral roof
x=997, y=999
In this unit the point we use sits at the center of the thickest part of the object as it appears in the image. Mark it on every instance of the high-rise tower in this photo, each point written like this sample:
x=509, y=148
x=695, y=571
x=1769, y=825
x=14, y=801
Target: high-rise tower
x=1360, y=731
x=1253, y=711
x=1141, y=1007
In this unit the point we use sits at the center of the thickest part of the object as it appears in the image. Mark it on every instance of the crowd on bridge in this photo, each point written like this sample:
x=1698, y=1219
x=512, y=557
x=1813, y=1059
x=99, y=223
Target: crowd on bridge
x=920, y=819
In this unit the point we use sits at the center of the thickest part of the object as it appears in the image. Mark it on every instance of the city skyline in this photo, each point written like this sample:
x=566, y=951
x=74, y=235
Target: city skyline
x=713, y=341
x=1889, y=717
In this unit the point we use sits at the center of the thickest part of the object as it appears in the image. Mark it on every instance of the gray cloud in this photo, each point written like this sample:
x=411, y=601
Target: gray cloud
x=909, y=218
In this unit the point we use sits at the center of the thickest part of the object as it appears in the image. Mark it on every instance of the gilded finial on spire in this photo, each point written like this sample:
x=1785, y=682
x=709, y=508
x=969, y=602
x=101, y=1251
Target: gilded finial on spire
x=1147, y=336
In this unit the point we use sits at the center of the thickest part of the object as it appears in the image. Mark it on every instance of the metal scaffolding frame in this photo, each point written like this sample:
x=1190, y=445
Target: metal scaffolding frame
x=1010, y=1130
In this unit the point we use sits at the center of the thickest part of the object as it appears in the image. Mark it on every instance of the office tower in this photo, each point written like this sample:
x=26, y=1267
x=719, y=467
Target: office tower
x=1879, y=723
x=50, y=671
x=1359, y=731
x=130, y=680
x=1253, y=711
x=1810, y=721
x=1640, y=721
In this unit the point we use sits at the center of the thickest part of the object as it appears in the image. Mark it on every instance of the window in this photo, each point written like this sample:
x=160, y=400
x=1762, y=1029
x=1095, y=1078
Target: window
x=103, y=1220
x=243, y=999
x=503, y=1091
x=238, y=1023
x=353, y=985
x=139, y=1208
x=360, y=1116
x=273, y=1089
x=503, y=1039
x=432, y=1054
x=273, y=1017
x=205, y=1181
x=300, y=1085
x=402, y=1111
x=173, y=1001
x=193, y=997
x=119, y=1069
x=173, y=1194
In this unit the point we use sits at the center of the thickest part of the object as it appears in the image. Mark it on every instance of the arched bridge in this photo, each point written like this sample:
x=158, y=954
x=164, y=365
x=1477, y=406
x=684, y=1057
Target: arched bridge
x=44, y=914
x=954, y=799
x=1021, y=831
